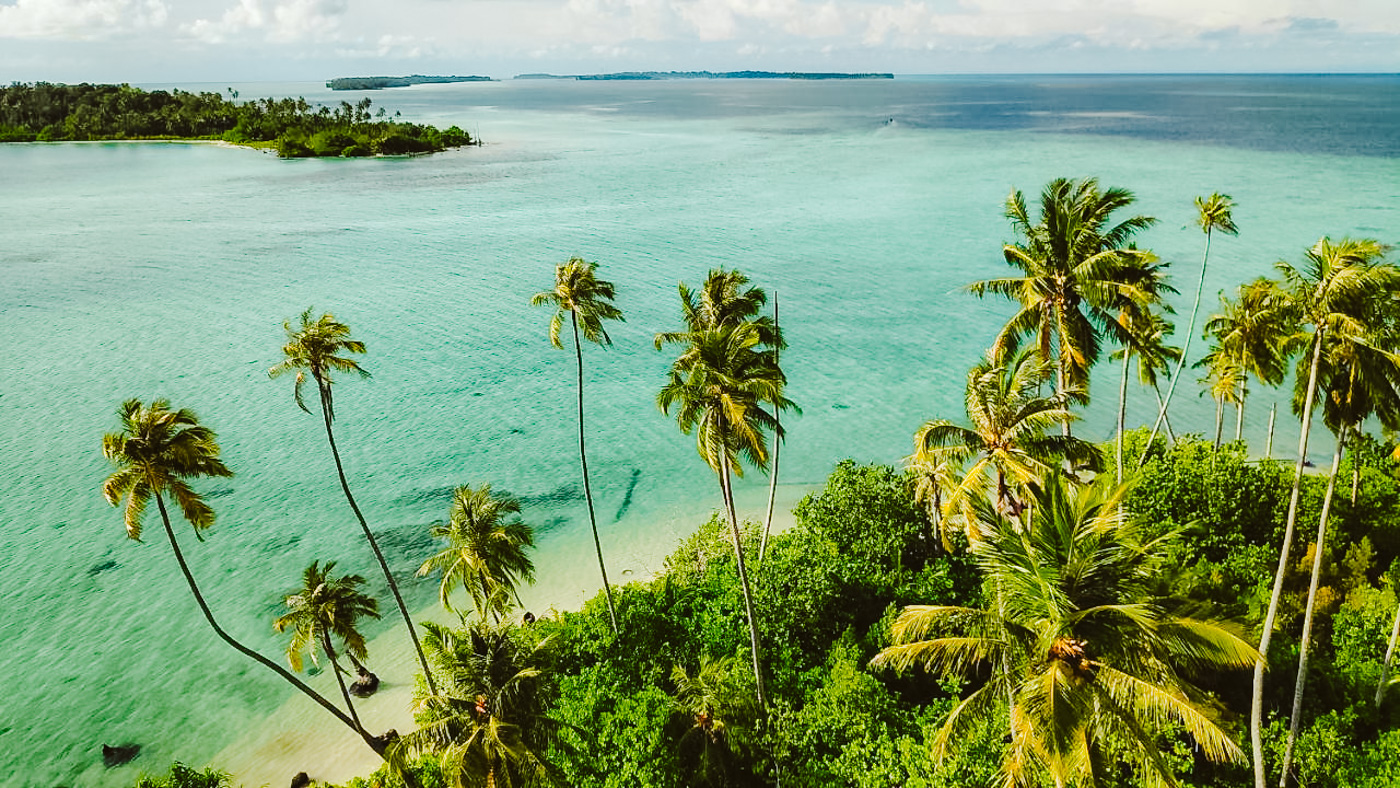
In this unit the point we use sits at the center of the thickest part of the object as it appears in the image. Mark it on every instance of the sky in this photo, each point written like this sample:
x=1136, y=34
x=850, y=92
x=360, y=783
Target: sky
x=252, y=40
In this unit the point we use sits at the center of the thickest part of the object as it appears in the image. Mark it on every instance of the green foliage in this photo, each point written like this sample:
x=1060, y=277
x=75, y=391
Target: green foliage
x=182, y=776
x=48, y=112
x=626, y=736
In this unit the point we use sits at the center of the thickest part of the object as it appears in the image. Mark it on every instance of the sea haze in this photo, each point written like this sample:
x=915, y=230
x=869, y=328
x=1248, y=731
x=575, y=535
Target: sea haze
x=165, y=270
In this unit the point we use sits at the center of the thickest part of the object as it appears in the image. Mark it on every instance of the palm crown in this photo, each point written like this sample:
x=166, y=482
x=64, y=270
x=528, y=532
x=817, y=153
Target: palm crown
x=325, y=609
x=316, y=348
x=577, y=290
x=485, y=552
x=155, y=452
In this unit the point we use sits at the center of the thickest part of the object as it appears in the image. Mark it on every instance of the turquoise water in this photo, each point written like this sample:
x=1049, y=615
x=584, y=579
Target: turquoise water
x=166, y=270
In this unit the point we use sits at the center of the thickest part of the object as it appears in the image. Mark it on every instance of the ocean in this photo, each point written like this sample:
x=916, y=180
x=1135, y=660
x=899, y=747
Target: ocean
x=167, y=269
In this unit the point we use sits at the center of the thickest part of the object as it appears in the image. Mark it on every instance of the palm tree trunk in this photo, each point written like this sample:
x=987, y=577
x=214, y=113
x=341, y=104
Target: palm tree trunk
x=1239, y=419
x=777, y=442
x=1185, y=346
x=728, y=493
x=339, y=679
x=242, y=649
x=1219, y=420
x=587, y=488
x=1298, y=685
x=1389, y=653
x=1256, y=708
x=1269, y=444
x=369, y=536
x=1166, y=420
x=1061, y=382
x=1122, y=412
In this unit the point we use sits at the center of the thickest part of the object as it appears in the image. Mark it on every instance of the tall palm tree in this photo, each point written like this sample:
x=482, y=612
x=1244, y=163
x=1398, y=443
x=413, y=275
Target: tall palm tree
x=485, y=551
x=777, y=446
x=1072, y=643
x=1148, y=344
x=1078, y=270
x=156, y=452
x=1006, y=444
x=1225, y=382
x=588, y=301
x=315, y=348
x=488, y=723
x=1360, y=378
x=323, y=607
x=718, y=386
x=1249, y=330
x=1333, y=293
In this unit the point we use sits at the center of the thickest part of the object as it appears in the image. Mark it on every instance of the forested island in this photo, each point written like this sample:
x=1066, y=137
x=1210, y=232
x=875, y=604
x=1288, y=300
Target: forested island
x=660, y=75
x=294, y=128
x=1016, y=605
x=378, y=83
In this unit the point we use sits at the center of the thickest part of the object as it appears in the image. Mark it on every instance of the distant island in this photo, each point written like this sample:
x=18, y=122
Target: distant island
x=49, y=112
x=644, y=75
x=378, y=83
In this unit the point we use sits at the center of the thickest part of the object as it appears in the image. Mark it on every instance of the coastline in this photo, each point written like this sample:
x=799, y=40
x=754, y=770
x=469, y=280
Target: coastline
x=300, y=737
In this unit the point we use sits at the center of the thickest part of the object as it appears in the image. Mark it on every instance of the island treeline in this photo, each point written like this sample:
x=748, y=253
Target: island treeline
x=1014, y=606
x=294, y=128
x=378, y=83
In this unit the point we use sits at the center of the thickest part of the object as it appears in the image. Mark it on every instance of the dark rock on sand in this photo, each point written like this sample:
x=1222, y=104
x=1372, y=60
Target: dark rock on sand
x=301, y=780
x=365, y=685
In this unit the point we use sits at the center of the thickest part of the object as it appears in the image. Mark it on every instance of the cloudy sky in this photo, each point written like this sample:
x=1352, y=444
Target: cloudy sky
x=243, y=40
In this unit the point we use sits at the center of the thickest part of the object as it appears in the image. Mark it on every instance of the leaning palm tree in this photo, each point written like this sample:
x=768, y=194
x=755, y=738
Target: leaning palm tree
x=1360, y=379
x=1089, y=665
x=1078, y=270
x=1212, y=213
x=487, y=724
x=1333, y=293
x=718, y=387
x=588, y=301
x=316, y=348
x=1007, y=443
x=156, y=452
x=324, y=607
x=485, y=551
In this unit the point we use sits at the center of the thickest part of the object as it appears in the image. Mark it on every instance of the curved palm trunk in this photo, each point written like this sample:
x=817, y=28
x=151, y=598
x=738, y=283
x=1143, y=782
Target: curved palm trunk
x=1389, y=653
x=1219, y=421
x=728, y=491
x=777, y=443
x=339, y=679
x=369, y=536
x=1166, y=420
x=1239, y=419
x=1256, y=708
x=1185, y=346
x=350, y=722
x=587, y=488
x=1122, y=413
x=1269, y=443
x=1298, y=686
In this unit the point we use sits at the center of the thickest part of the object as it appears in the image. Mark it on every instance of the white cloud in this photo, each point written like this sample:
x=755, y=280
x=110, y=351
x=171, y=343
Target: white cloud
x=79, y=19
x=277, y=22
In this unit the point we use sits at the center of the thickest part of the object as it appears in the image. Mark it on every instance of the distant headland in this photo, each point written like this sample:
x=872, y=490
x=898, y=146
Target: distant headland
x=656, y=75
x=378, y=83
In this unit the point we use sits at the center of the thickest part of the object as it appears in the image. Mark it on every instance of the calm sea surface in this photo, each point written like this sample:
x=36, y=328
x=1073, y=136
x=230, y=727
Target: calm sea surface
x=166, y=270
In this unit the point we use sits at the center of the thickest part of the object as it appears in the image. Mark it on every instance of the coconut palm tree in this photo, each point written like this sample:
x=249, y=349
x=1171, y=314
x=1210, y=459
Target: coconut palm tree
x=1078, y=270
x=1074, y=646
x=316, y=348
x=1225, y=382
x=718, y=386
x=1212, y=213
x=1148, y=333
x=1006, y=444
x=588, y=301
x=1250, y=330
x=1360, y=379
x=487, y=724
x=157, y=452
x=327, y=606
x=721, y=715
x=1333, y=293
x=485, y=551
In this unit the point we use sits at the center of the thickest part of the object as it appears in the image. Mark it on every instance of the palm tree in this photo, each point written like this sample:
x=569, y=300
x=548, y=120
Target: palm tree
x=721, y=716
x=1249, y=331
x=1333, y=294
x=323, y=607
x=1212, y=213
x=1360, y=378
x=777, y=446
x=587, y=300
x=315, y=348
x=1006, y=444
x=487, y=724
x=485, y=552
x=156, y=452
x=718, y=386
x=1225, y=382
x=1386, y=681
x=1148, y=343
x=1078, y=271
x=1072, y=643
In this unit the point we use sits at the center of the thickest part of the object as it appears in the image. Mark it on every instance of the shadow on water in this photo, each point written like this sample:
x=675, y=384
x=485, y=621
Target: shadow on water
x=102, y=566
x=564, y=493
x=627, y=497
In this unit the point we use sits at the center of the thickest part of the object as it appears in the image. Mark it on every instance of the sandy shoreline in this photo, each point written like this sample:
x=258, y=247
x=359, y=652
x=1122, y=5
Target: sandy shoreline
x=301, y=736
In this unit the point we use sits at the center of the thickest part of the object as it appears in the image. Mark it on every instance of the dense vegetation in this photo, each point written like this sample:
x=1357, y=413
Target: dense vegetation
x=1016, y=606
x=46, y=112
